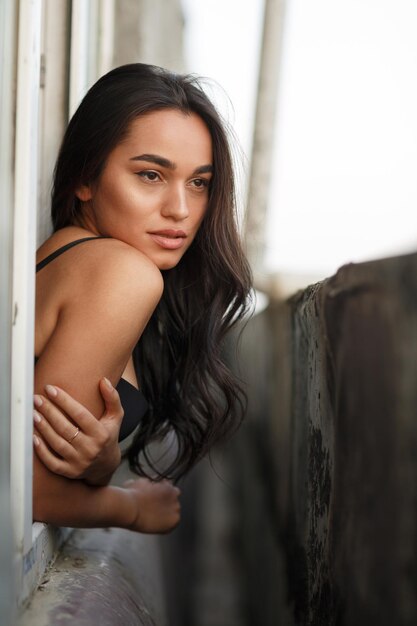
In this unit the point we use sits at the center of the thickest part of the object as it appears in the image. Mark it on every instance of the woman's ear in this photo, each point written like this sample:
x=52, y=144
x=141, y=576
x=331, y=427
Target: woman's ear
x=83, y=193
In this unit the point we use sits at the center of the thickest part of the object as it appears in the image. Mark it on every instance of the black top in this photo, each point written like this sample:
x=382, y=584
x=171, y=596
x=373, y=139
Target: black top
x=133, y=401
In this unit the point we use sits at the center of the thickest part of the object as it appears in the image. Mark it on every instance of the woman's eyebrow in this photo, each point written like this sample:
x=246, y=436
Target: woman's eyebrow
x=203, y=169
x=154, y=158
x=163, y=162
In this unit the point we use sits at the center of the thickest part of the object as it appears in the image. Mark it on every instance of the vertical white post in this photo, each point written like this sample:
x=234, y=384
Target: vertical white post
x=92, y=34
x=263, y=141
x=79, y=66
x=7, y=65
x=24, y=244
x=105, y=36
x=54, y=101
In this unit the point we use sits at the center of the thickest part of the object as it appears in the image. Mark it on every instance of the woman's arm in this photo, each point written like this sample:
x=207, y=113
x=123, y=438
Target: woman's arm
x=103, y=310
x=141, y=505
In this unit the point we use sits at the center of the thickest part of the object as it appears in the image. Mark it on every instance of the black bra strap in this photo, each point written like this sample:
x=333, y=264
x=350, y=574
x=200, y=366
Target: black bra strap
x=58, y=252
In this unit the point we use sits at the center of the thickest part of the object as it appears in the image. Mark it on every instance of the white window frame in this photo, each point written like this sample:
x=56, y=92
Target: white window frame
x=34, y=546
x=24, y=245
x=7, y=54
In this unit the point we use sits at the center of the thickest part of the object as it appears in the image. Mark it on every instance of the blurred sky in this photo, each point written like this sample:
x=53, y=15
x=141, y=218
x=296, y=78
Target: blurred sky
x=344, y=182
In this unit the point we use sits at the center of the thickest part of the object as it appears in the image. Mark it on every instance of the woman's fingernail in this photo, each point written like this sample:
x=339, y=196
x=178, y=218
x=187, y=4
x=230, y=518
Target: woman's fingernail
x=51, y=391
x=108, y=383
x=36, y=417
x=36, y=440
x=37, y=401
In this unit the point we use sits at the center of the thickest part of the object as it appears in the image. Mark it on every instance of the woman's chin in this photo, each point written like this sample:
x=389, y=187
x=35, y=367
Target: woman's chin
x=166, y=265
x=166, y=261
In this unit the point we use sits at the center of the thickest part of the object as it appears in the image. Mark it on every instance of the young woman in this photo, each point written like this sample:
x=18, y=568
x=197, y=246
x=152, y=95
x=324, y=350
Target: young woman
x=139, y=283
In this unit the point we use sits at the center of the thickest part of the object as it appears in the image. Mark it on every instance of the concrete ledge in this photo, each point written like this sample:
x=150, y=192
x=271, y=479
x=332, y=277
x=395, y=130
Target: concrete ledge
x=327, y=458
x=110, y=577
x=46, y=541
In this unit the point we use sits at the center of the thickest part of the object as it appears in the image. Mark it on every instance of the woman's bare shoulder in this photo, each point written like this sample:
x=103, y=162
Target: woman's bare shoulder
x=106, y=264
x=100, y=301
x=115, y=262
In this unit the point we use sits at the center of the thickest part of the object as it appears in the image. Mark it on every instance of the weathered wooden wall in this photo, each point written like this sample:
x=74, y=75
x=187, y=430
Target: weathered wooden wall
x=327, y=459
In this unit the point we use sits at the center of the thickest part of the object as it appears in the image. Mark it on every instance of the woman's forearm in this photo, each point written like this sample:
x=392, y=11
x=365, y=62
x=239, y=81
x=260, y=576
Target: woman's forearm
x=65, y=502
x=141, y=505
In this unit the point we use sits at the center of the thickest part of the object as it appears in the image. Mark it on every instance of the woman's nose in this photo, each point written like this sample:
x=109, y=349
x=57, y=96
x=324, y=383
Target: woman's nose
x=176, y=205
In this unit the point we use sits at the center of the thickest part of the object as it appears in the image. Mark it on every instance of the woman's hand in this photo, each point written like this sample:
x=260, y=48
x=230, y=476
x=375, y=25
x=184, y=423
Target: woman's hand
x=155, y=505
x=71, y=442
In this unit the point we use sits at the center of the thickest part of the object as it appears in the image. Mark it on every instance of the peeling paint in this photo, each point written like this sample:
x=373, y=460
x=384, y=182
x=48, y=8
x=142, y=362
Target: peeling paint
x=29, y=561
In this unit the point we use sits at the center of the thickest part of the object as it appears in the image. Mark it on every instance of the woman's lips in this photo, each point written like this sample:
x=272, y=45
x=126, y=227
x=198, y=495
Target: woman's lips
x=169, y=239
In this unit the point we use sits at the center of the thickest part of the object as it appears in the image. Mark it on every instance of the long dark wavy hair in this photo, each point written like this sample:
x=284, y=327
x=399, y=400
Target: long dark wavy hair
x=179, y=360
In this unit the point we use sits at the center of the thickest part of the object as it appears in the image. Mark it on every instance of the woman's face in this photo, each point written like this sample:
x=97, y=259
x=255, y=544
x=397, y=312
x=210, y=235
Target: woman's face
x=153, y=191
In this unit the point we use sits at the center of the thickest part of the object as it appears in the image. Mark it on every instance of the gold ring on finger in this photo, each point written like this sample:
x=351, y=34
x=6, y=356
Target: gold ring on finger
x=74, y=435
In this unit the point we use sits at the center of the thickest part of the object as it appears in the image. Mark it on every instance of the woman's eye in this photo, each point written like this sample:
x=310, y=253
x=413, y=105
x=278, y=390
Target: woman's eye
x=149, y=176
x=200, y=183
